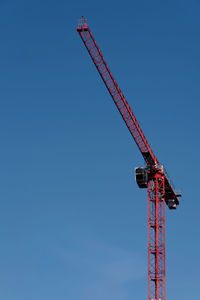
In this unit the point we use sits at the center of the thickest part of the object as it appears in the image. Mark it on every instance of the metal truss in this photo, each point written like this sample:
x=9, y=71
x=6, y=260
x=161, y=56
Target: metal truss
x=116, y=93
x=160, y=189
x=156, y=236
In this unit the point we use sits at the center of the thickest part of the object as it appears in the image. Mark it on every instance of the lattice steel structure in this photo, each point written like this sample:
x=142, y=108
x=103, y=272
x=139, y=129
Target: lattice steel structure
x=160, y=188
x=156, y=236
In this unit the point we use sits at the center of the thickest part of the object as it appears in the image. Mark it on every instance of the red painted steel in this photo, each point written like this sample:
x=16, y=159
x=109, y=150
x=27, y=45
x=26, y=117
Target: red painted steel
x=160, y=189
x=116, y=93
x=156, y=236
x=122, y=104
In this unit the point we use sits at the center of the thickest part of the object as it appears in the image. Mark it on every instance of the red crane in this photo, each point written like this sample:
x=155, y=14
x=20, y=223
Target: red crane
x=153, y=176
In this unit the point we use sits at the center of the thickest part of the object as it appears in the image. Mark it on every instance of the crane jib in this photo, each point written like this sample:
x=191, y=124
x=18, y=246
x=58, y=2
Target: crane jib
x=117, y=95
x=122, y=105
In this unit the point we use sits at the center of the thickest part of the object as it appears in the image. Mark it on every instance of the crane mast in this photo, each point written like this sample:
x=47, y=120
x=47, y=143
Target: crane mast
x=153, y=176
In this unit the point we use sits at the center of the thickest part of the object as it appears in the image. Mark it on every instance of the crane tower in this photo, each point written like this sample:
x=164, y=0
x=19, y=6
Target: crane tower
x=153, y=176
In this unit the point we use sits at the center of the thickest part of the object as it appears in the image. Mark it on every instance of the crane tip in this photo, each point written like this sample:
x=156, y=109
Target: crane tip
x=82, y=22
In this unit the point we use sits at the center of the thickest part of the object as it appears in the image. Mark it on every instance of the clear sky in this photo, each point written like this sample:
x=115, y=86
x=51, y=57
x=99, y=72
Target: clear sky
x=73, y=223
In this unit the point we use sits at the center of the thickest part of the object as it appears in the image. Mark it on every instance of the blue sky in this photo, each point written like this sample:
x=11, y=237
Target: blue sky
x=73, y=223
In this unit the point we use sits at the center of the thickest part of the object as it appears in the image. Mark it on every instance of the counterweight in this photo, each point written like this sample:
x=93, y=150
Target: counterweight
x=160, y=188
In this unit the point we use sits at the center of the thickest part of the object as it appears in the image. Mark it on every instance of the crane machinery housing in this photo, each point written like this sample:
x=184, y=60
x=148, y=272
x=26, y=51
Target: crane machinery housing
x=153, y=176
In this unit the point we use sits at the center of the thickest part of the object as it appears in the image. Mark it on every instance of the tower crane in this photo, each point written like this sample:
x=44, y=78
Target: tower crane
x=153, y=176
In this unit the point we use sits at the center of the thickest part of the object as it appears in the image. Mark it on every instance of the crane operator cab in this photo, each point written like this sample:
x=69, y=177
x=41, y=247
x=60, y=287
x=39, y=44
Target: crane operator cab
x=171, y=204
x=141, y=177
